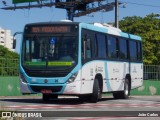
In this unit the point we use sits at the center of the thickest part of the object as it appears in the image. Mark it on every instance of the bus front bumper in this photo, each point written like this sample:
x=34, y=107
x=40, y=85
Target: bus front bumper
x=69, y=89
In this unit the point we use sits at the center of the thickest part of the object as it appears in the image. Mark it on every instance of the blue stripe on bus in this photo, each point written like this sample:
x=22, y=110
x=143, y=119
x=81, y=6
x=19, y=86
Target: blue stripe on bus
x=124, y=34
x=135, y=37
x=130, y=36
x=106, y=76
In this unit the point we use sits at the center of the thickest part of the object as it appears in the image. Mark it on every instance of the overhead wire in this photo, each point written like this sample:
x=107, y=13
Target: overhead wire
x=141, y=4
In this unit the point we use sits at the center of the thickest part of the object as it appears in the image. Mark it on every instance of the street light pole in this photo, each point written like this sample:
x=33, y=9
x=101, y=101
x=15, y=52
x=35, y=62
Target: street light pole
x=116, y=14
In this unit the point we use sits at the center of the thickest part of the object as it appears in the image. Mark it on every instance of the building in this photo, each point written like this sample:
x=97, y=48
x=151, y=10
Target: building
x=6, y=39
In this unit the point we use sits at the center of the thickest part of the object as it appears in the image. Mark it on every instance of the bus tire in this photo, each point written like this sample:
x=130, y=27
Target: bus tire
x=96, y=94
x=116, y=95
x=125, y=94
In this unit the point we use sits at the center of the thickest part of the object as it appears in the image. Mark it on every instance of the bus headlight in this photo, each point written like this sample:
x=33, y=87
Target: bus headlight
x=72, y=78
x=23, y=78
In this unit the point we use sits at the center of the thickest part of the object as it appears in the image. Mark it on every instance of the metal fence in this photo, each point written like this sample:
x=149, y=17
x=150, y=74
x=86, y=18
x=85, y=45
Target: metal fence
x=151, y=72
x=9, y=67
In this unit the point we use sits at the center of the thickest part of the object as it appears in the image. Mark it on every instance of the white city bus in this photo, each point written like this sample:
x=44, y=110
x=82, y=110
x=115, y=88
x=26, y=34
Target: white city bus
x=85, y=60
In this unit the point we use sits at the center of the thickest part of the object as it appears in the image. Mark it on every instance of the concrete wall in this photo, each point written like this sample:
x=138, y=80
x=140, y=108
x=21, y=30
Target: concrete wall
x=9, y=86
x=149, y=87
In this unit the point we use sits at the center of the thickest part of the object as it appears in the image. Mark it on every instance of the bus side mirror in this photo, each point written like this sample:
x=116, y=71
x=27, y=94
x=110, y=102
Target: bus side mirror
x=14, y=39
x=14, y=43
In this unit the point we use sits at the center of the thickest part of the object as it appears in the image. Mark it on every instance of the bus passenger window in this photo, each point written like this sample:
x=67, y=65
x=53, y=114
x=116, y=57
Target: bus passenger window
x=139, y=51
x=133, y=50
x=112, y=47
x=101, y=41
x=88, y=49
x=122, y=48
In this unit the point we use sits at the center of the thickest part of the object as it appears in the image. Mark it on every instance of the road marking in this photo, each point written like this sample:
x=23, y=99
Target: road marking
x=80, y=106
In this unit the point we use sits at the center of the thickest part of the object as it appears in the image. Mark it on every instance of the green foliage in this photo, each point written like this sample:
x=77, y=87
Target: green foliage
x=5, y=53
x=149, y=29
x=8, y=62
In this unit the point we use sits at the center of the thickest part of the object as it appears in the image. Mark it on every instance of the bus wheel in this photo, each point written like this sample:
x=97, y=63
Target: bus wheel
x=97, y=93
x=126, y=92
x=123, y=94
x=116, y=95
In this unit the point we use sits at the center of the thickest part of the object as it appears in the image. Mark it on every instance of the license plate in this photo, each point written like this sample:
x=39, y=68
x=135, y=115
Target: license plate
x=46, y=91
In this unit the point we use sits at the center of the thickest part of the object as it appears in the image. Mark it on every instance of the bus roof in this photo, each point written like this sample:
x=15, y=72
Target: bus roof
x=52, y=23
x=109, y=30
x=105, y=28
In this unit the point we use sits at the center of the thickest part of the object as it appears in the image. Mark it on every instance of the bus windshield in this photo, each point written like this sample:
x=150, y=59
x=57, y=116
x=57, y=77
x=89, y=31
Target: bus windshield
x=49, y=52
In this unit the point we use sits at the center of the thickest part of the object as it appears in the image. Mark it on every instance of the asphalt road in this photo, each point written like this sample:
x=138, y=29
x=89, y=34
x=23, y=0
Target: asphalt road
x=136, y=107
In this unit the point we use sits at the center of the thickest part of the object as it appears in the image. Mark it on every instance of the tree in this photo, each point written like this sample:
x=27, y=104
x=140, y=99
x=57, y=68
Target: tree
x=8, y=62
x=149, y=29
x=5, y=53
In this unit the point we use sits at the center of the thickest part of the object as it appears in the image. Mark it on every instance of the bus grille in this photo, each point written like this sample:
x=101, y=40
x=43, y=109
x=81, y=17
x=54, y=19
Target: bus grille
x=52, y=88
x=46, y=74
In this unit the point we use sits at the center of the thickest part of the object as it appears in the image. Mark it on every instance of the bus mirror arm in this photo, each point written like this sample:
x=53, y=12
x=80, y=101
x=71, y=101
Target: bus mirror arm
x=14, y=39
x=86, y=43
x=84, y=49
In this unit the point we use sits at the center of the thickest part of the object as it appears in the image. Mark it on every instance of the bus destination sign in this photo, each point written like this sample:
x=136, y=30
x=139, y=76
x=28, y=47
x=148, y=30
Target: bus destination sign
x=50, y=29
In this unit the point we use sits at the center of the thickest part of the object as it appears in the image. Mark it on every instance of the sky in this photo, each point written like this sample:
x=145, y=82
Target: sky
x=15, y=20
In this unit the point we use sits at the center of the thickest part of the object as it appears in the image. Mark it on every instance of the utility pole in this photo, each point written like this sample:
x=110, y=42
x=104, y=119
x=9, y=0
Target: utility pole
x=116, y=14
x=70, y=13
